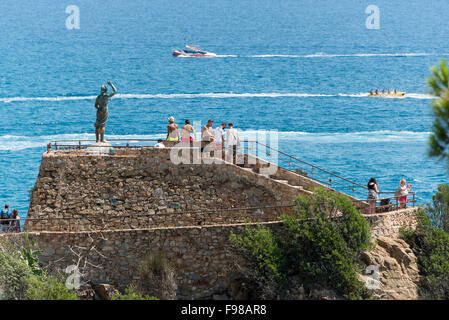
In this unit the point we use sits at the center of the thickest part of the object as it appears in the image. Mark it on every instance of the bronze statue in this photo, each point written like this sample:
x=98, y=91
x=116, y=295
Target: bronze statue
x=101, y=104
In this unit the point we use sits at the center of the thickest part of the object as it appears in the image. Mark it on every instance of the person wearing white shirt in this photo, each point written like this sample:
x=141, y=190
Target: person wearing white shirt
x=232, y=142
x=219, y=139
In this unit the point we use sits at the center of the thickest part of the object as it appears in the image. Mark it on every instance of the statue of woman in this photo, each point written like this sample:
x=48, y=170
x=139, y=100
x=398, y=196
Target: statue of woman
x=101, y=104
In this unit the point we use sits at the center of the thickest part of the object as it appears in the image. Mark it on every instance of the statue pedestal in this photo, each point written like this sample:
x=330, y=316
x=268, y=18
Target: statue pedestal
x=98, y=148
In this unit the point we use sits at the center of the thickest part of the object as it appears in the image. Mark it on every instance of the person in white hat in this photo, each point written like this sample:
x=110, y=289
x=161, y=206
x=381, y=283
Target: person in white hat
x=172, y=130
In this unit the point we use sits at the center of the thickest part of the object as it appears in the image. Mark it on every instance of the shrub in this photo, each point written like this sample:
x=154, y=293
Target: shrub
x=157, y=277
x=265, y=271
x=328, y=233
x=130, y=294
x=48, y=288
x=319, y=245
x=431, y=246
x=30, y=254
x=262, y=245
x=438, y=210
x=14, y=273
x=22, y=278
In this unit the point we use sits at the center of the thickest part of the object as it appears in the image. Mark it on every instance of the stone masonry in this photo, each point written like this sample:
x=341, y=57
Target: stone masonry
x=139, y=200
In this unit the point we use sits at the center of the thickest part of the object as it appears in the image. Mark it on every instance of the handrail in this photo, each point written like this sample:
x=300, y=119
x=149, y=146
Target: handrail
x=311, y=165
x=315, y=170
x=90, y=140
x=79, y=144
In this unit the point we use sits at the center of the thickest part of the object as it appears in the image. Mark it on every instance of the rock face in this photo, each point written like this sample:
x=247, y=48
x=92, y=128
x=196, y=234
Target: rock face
x=105, y=291
x=398, y=276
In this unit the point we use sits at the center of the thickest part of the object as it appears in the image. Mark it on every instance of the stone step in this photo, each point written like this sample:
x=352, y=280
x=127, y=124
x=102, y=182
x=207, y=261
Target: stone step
x=281, y=181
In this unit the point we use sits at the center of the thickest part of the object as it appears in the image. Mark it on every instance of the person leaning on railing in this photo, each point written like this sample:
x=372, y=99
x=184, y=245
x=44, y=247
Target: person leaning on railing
x=373, y=194
x=14, y=224
x=403, y=191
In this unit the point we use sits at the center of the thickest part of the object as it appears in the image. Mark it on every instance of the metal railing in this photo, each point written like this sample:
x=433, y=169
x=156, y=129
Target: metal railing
x=314, y=172
x=285, y=161
x=394, y=200
x=72, y=145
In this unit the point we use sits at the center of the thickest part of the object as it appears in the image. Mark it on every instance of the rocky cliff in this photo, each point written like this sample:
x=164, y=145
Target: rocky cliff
x=398, y=270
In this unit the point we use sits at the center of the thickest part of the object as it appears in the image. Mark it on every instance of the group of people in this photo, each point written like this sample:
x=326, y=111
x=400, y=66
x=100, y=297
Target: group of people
x=401, y=194
x=216, y=139
x=372, y=92
x=9, y=222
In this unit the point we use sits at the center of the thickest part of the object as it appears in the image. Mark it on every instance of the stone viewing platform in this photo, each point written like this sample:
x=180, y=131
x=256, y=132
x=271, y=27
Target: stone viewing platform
x=148, y=187
x=136, y=199
x=74, y=184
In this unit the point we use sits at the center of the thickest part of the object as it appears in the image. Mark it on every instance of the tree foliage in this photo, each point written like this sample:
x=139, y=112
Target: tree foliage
x=431, y=246
x=319, y=244
x=14, y=274
x=439, y=87
x=21, y=277
x=438, y=210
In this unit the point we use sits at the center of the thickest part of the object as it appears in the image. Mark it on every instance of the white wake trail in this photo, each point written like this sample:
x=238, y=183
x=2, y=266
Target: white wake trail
x=15, y=143
x=325, y=55
x=212, y=95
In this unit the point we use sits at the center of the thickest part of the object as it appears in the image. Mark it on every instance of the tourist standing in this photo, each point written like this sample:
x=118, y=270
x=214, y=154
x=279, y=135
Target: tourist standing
x=403, y=191
x=14, y=225
x=4, y=219
x=373, y=194
x=232, y=142
x=219, y=138
x=207, y=135
x=172, y=130
x=186, y=131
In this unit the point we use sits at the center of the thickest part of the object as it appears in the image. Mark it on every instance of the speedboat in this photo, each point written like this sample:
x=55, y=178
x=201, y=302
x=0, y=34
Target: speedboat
x=193, y=52
x=386, y=94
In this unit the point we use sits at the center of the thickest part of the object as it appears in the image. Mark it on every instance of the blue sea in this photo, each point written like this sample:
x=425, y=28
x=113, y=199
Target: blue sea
x=299, y=67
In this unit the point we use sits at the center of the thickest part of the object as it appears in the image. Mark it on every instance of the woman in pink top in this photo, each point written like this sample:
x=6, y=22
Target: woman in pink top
x=403, y=191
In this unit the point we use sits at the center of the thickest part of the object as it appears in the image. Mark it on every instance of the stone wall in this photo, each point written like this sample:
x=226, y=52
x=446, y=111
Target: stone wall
x=134, y=182
x=139, y=200
x=201, y=255
x=165, y=220
x=388, y=224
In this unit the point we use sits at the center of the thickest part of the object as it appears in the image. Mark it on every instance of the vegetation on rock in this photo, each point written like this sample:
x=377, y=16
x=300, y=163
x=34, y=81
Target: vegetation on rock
x=21, y=278
x=430, y=242
x=319, y=244
x=130, y=294
x=156, y=279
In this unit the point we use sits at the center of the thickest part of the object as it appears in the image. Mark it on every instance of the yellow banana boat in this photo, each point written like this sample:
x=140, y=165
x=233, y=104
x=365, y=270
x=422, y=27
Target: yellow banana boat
x=392, y=94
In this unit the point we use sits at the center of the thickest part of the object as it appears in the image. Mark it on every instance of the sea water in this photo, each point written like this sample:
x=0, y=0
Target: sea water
x=301, y=68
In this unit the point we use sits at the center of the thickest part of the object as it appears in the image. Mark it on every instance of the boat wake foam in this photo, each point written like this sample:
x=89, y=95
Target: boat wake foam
x=325, y=55
x=212, y=95
x=15, y=143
